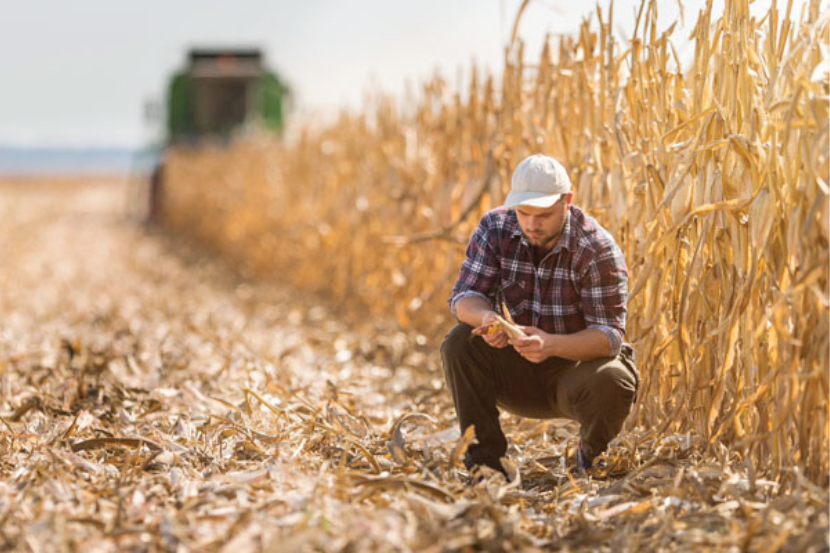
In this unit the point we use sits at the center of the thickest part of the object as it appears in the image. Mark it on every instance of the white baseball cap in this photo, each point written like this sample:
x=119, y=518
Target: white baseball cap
x=538, y=181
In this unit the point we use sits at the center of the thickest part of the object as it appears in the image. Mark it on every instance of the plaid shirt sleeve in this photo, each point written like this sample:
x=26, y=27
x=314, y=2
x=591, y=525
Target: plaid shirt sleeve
x=479, y=275
x=605, y=293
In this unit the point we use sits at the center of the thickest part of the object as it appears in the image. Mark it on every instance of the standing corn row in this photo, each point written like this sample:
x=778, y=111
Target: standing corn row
x=714, y=180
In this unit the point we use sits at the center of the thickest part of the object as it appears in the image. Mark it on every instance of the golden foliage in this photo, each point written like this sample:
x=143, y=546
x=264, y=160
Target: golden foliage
x=714, y=181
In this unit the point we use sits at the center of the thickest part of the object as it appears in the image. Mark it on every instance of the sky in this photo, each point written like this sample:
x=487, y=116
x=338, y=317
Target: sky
x=79, y=73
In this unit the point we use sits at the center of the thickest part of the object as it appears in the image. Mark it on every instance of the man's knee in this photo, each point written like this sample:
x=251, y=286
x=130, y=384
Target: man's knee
x=615, y=385
x=456, y=343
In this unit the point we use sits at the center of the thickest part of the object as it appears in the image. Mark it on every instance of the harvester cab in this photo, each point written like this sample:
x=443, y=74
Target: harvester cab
x=220, y=91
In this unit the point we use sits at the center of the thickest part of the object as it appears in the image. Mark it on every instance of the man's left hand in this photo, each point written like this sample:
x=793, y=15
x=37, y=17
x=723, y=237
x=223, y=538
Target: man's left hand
x=534, y=347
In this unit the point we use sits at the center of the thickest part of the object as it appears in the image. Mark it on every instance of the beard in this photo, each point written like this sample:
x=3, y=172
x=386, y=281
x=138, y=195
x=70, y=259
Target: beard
x=543, y=241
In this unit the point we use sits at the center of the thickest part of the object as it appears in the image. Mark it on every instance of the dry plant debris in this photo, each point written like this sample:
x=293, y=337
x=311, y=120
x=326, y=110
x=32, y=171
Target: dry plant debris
x=712, y=176
x=151, y=400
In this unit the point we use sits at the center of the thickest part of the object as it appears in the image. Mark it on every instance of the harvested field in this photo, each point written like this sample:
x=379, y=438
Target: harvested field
x=152, y=400
x=712, y=176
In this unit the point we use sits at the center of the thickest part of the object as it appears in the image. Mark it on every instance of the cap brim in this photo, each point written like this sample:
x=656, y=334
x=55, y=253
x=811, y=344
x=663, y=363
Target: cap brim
x=531, y=199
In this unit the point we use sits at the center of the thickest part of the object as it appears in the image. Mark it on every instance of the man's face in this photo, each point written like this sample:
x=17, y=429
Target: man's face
x=543, y=227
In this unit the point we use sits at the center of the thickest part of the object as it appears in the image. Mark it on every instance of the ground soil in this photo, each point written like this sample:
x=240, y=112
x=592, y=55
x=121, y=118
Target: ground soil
x=153, y=399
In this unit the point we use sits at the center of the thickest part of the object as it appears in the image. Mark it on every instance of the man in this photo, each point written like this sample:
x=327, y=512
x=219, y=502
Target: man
x=564, y=281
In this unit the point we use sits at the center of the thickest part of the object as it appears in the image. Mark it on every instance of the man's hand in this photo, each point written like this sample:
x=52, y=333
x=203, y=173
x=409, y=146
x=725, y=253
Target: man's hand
x=534, y=348
x=496, y=340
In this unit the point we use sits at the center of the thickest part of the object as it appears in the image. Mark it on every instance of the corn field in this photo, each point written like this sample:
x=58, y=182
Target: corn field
x=153, y=398
x=712, y=177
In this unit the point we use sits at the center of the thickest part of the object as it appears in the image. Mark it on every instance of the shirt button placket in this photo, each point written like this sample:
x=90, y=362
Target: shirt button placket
x=537, y=297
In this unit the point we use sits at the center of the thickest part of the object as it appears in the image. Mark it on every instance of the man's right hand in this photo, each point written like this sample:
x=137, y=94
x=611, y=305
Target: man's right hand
x=496, y=340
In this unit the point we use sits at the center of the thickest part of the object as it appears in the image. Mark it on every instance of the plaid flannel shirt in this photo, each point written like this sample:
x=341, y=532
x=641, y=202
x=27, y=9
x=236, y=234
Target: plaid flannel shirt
x=581, y=283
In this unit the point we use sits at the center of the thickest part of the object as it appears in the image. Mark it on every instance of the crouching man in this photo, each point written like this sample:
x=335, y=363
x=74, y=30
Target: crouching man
x=563, y=279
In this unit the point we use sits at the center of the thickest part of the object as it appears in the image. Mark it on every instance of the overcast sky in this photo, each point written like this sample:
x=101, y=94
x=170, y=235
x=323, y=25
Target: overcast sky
x=78, y=72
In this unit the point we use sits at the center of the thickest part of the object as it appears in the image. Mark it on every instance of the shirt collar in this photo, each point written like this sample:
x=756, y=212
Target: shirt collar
x=565, y=237
x=517, y=230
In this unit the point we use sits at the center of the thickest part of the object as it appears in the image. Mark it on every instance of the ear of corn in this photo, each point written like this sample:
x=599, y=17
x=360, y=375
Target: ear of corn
x=501, y=324
x=713, y=178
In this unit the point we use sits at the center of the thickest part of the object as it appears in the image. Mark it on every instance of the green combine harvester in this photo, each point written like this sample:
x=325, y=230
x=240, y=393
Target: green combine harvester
x=219, y=93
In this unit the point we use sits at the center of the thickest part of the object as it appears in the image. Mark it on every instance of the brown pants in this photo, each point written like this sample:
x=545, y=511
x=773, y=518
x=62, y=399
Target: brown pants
x=598, y=394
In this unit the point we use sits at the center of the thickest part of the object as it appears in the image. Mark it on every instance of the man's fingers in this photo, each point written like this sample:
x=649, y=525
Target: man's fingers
x=526, y=347
x=498, y=340
x=522, y=343
x=529, y=330
x=532, y=357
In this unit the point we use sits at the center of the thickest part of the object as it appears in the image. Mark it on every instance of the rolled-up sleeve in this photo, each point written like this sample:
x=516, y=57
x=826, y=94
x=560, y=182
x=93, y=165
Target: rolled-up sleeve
x=604, y=294
x=479, y=273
